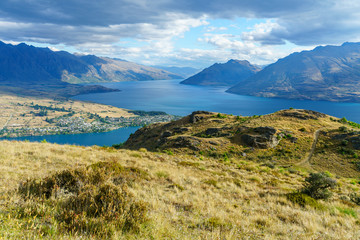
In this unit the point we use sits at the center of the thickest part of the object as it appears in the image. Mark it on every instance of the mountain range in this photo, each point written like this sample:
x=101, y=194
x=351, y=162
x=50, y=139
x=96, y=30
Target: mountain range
x=31, y=70
x=184, y=72
x=223, y=74
x=330, y=73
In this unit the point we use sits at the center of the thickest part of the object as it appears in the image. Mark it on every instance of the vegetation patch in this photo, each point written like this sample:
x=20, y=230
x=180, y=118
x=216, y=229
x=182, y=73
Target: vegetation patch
x=94, y=200
x=317, y=186
x=304, y=200
x=189, y=164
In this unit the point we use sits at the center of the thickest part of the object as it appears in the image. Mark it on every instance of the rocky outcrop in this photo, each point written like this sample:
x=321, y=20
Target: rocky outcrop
x=198, y=116
x=351, y=137
x=189, y=142
x=263, y=137
x=303, y=114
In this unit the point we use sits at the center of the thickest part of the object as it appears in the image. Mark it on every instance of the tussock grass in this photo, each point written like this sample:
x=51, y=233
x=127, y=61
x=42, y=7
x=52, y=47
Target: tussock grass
x=235, y=200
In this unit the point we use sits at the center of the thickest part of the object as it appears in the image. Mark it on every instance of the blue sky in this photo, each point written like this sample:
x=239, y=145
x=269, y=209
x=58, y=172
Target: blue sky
x=181, y=33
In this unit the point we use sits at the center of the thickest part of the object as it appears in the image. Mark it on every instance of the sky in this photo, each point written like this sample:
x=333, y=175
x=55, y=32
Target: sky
x=181, y=32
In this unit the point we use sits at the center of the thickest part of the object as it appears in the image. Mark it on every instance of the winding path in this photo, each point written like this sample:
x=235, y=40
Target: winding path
x=7, y=122
x=306, y=160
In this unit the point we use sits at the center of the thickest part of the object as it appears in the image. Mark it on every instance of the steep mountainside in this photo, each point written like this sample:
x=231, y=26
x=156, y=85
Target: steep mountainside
x=40, y=65
x=223, y=74
x=329, y=73
x=288, y=138
x=102, y=69
x=29, y=70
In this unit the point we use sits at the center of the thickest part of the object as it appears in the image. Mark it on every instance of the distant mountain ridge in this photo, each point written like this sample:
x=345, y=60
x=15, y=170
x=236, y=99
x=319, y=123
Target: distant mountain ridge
x=20, y=62
x=330, y=73
x=103, y=69
x=31, y=70
x=223, y=74
x=182, y=71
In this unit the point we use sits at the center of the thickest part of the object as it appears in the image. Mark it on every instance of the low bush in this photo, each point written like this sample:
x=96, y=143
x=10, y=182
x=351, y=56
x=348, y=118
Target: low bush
x=355, y=198
x=317, y=186
x=304, y=200
x=93, y=200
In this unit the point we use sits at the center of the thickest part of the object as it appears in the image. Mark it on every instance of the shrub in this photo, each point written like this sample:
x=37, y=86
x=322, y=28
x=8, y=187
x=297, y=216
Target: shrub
x=302, y=129
x=317, y=186
x=118, y=146
x=355, y=198
x=219, y=115
x=343, y=120
x=303, y=200
x=343, y=129
x=93, y=200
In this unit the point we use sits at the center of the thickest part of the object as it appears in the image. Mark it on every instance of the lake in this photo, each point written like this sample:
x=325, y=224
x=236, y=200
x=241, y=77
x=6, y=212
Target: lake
x=85, y=139
x=179, y=99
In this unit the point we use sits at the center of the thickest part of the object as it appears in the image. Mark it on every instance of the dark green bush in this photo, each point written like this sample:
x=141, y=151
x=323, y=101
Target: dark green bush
x=304, y=200
x=317, y=186
x=355, y=198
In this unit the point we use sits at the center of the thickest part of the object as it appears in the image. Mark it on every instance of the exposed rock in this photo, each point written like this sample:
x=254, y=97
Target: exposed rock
x=178, y=130
x=196, y=116
x=184, y=142
x=213, y=131
x=355, y=141
x=213, y=143
x=264, y=139
x=265, y=130
x=303, y=114
x=166, y=134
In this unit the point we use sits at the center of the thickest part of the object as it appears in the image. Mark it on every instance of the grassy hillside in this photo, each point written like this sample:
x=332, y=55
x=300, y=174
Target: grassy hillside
x=292, y=137
x=163, y=196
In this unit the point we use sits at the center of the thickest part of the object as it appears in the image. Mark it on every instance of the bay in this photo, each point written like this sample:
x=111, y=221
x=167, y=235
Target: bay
x=174, y=98
x=85, y=139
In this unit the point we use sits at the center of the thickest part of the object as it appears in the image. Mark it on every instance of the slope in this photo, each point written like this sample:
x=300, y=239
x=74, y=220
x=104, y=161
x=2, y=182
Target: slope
x=225, y=74
x=184, y=197
x=284, y=138
x=330, y=73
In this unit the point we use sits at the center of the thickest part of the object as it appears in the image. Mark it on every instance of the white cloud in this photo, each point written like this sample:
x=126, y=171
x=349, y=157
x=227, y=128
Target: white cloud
x=98, y=26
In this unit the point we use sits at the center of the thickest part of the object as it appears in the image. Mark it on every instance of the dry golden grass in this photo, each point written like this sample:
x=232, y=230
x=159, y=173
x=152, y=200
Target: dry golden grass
x=15, y=110
x=189, y=197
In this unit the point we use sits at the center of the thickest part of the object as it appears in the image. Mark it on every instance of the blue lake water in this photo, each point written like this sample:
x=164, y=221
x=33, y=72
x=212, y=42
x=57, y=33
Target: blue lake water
x=179, y=99
x=85, y=139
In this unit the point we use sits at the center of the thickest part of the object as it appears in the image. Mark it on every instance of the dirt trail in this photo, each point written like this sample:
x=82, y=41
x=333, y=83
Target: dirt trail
x=7, y=122
x=306, y=160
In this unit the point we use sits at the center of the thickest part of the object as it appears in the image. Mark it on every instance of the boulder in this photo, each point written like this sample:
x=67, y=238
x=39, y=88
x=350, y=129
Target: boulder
x=184, y=142
x=264, y=137
x=213, y=131
x=166, y=134
x=197, y=116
